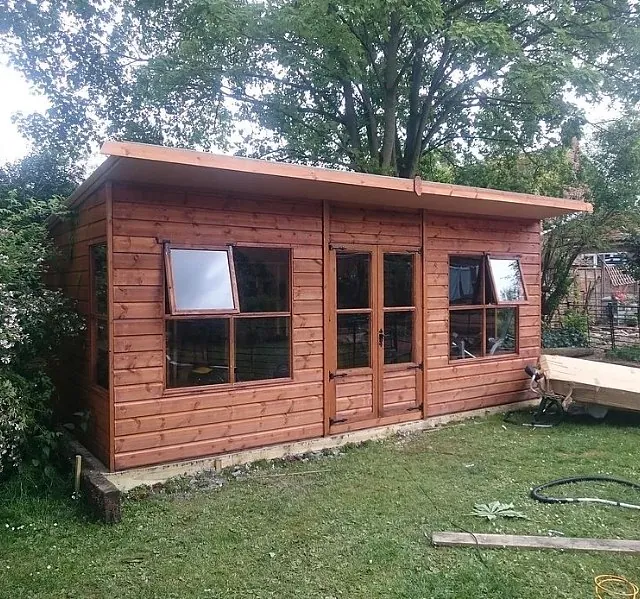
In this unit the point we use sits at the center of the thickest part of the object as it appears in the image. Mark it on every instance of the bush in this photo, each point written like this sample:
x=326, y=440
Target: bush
x=563, y=337
x=572, y=332
x=13, y=423
x=34, y=321
x=631, y=321
x=631, y=353
x=574, y=320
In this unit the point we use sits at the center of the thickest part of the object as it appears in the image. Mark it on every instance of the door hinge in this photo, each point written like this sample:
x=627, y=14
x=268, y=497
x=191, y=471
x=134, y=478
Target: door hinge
x=336, y=375
x=416, y=366
x=414, y=408
x=336, y=247
x=337, y=420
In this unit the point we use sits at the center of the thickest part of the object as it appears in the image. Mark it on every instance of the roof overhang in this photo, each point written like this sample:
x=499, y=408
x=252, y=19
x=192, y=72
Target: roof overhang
x=157, y=165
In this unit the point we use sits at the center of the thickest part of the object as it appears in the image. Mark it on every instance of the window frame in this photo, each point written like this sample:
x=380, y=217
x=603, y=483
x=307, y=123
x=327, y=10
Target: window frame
x=231, y=316
x=413, y=308
x=499, y=302
x=486, y=273
x=95, y=318
x=168, y=266
x=368, y=251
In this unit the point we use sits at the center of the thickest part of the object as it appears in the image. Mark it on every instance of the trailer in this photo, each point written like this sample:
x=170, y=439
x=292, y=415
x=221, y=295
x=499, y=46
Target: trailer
x=591, y=383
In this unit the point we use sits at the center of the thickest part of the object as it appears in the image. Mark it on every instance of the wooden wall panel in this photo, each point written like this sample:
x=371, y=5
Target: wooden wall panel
x=73, y=238
x=471, y=384
x=154, y=425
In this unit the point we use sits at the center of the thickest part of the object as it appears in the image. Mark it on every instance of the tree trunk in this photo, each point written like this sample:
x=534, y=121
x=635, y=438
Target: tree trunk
x=390, y=94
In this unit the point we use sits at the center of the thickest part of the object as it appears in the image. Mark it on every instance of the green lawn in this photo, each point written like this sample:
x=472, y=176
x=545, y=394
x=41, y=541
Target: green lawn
x=356, y=527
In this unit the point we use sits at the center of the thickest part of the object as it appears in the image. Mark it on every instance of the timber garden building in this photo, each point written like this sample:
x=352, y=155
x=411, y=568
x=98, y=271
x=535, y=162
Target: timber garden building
x=235, y=303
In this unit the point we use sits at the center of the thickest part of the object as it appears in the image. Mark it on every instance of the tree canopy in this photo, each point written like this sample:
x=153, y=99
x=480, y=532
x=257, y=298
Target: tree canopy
x=372, y=85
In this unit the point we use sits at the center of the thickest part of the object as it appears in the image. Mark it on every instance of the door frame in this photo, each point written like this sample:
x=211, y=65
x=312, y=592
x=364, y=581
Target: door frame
x=376, y=302
x=417, y=361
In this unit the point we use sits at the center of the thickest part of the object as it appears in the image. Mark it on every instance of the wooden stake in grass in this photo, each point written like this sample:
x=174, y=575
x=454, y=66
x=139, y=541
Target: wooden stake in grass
x=78, y=471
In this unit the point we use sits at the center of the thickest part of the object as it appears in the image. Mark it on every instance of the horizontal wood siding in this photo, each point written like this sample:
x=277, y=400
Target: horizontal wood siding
x=73, y=237
x=153, y=425
x=471, y=384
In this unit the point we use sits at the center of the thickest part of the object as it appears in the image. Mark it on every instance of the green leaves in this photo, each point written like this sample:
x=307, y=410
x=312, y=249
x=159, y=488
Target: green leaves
x=34, y=322
x=495, y=509
x=371, y=85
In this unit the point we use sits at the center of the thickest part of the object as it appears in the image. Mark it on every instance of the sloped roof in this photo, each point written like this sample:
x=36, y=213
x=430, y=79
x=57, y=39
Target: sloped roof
x=617, y=276
x=158, y=165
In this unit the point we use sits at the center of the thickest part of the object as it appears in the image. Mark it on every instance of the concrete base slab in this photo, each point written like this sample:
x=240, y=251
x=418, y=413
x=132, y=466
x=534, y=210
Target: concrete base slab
x=130, y=479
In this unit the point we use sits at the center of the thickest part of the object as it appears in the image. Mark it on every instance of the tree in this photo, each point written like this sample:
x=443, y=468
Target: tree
x=40, y=176
x=607, y=174
x=371, y=85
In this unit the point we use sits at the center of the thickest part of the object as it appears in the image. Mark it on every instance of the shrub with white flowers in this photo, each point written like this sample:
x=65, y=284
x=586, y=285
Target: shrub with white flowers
x=34, y=321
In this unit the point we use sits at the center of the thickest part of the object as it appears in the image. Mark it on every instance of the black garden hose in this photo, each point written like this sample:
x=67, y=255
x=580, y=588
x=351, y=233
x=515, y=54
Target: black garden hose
x=547, y=414
x=538, y=496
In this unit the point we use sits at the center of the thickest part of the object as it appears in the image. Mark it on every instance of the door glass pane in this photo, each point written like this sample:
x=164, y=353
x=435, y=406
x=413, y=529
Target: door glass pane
x=465, y=282
x=398, y=280
x=354, y=332
x=501, y=331
x=201, y=279
x=398, y=337
x=262, y=348
x=507, y=279
x=263, y=279
x=197, y=352
x=465, y=334
x=352, y=272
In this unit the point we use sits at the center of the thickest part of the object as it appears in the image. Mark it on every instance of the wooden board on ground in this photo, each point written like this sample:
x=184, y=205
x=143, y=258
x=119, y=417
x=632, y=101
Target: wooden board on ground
x=599, y=383
x=466, y=539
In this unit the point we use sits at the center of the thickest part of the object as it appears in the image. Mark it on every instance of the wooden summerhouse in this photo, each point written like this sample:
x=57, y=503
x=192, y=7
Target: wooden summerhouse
x=235, y=303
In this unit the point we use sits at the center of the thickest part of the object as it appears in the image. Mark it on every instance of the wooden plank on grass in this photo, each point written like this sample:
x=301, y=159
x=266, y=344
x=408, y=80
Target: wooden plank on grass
x=466, y=539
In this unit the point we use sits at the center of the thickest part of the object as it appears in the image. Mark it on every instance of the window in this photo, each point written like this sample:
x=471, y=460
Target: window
x=201, y=281
x=399, y=308
x=354, y=309
x=484, y=294
x=99, y=316
x=229, y=317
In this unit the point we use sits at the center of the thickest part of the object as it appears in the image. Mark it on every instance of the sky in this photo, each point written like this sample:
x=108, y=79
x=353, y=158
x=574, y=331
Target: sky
x=15, y=97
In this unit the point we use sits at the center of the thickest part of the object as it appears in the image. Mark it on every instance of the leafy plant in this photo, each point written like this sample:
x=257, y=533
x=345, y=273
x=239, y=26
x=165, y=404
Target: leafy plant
x=495, y=509
x=576, y=320
x=631, y=353
x=34, y=321
x=563, y=337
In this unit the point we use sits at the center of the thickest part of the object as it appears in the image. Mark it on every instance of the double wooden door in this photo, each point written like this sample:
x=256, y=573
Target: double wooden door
x=376, y=363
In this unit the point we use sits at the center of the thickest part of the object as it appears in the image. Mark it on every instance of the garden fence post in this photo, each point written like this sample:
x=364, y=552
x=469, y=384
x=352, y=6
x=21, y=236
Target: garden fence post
x=611, y=324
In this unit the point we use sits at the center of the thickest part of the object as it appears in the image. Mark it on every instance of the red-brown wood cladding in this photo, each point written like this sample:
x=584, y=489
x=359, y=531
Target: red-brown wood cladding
x=468, y=385
x=153, y=425
x=73, y=238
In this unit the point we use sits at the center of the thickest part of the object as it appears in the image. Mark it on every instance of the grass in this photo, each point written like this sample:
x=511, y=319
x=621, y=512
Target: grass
x=630, y=353
x=354, y=526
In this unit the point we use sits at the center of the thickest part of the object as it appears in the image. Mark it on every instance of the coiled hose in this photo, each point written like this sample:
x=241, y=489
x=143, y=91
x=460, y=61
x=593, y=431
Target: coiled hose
x=536, y=492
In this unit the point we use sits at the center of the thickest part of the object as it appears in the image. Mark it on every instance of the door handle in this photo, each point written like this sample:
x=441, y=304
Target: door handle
x=381, y=337
x=336, y=375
